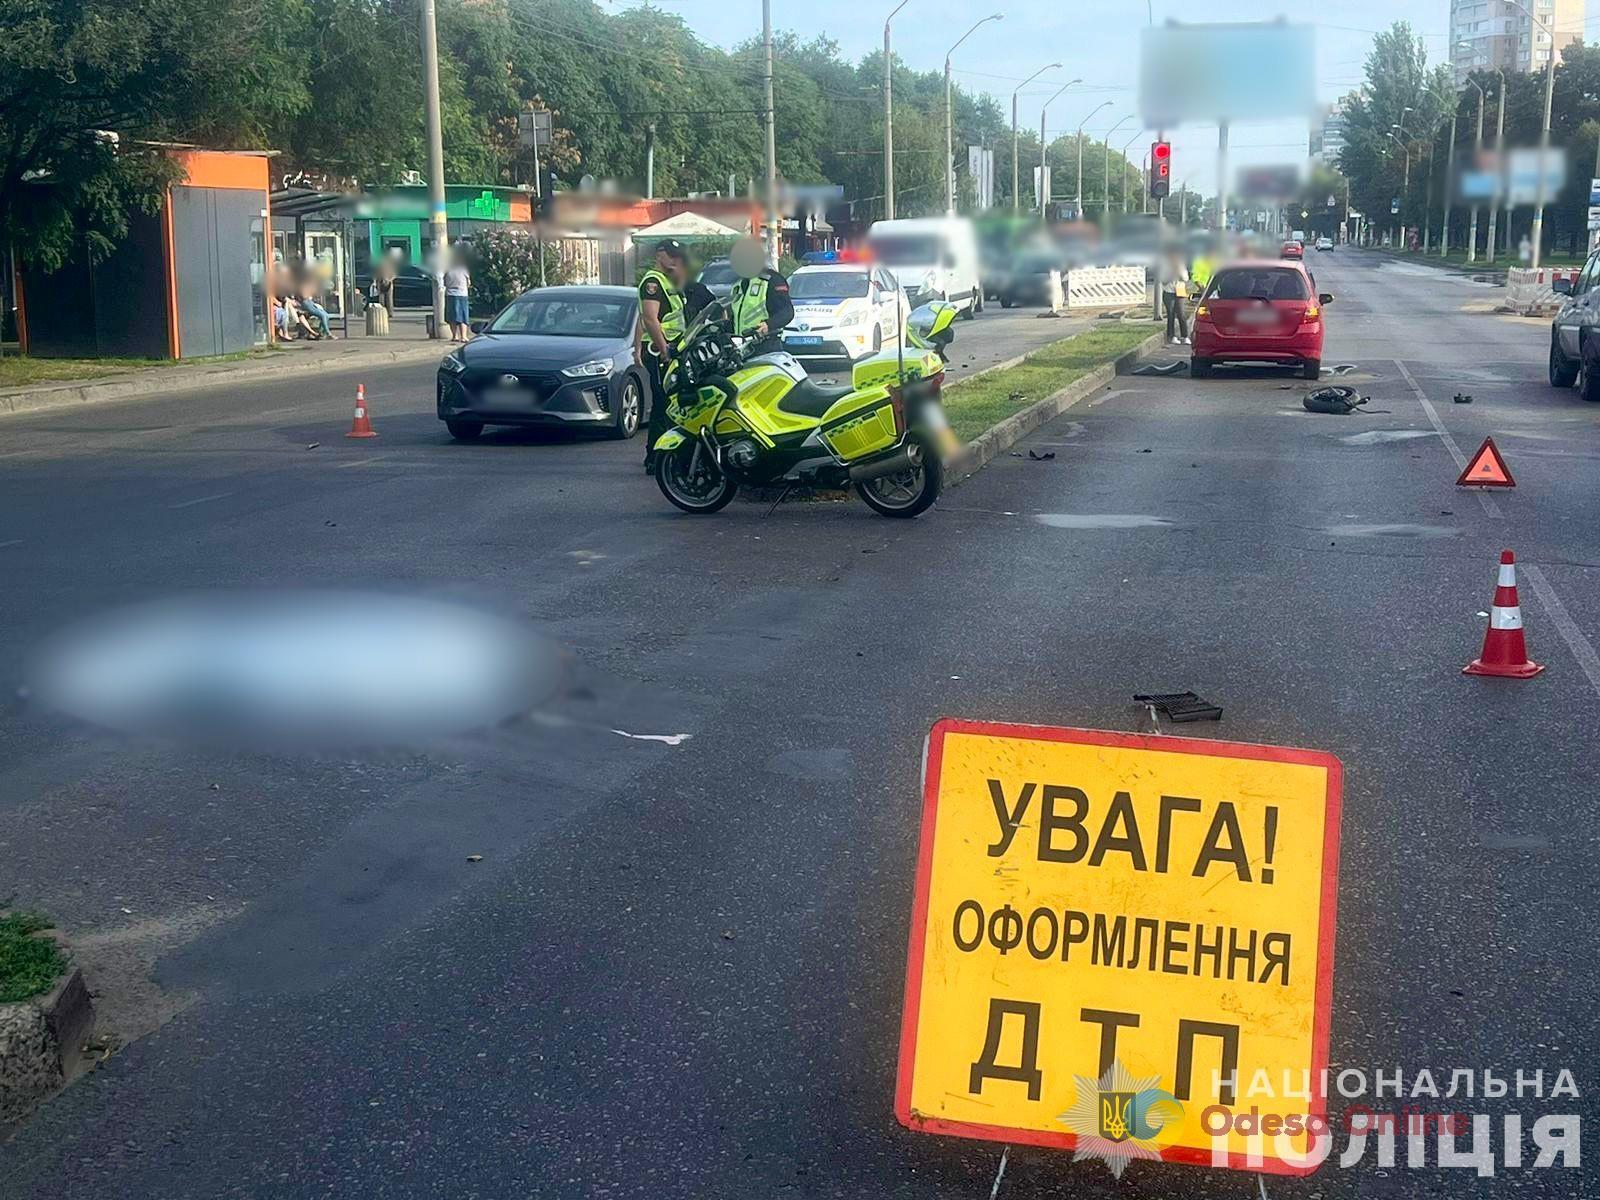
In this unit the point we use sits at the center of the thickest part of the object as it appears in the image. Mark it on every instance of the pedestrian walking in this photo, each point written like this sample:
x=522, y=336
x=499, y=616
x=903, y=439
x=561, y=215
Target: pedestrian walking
x=457, y=287
x=1174, y=294
x=661, y=325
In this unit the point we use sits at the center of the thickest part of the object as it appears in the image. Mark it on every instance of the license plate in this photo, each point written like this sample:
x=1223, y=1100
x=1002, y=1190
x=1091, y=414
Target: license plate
x=1258, y=316
x=804, y=341
x=506, y=398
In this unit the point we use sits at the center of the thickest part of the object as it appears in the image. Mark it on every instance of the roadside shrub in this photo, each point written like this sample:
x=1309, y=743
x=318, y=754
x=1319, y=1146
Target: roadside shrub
x=504, y=264
x=29, y=964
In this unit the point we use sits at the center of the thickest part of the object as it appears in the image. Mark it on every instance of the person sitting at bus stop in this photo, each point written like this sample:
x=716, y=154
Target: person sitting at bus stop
x=307, y=290
x=760, y=297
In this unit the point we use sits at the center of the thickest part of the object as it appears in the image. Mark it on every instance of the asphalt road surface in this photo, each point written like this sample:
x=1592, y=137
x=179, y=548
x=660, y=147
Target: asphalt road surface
x=677, y=968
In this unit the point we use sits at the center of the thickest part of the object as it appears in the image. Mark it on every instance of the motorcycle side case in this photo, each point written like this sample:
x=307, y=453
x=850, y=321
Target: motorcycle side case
x=861, y=424
x=884, y=366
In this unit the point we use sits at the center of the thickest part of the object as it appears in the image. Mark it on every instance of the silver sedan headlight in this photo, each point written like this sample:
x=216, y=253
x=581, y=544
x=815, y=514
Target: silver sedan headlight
x=589, y=370
x=452, y=363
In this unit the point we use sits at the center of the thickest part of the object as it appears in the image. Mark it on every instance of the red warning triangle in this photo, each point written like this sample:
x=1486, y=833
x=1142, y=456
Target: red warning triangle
x=1487, y=468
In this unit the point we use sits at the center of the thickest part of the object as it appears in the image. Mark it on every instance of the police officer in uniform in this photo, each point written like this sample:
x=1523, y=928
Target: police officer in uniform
x=759, y=303
x=661, y=325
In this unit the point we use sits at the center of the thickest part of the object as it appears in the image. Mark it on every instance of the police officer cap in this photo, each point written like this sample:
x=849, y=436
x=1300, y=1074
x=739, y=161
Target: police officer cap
x=672, y=248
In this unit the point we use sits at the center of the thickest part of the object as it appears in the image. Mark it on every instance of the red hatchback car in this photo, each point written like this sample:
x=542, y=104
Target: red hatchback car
x=1292, y=249
x=1259, y=312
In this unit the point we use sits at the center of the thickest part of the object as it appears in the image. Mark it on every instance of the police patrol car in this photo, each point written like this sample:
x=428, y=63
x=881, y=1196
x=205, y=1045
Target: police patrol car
x=843, y=310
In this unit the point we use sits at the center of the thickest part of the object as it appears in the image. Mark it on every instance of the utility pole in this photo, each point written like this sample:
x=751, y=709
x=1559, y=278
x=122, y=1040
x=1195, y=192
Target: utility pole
x=888, y=116
x=650, y=161
x=436, y=221
x=774, y=230
x=1427, y=201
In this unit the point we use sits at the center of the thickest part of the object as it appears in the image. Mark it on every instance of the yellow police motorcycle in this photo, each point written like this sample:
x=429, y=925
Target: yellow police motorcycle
x=760, y=420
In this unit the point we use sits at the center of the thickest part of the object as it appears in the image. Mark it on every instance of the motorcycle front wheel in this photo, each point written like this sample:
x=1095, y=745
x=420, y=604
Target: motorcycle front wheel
x=691, y=479
x=910, y=492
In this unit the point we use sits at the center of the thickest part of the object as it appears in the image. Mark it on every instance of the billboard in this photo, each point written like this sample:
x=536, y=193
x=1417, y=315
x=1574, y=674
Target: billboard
x=1226, y=72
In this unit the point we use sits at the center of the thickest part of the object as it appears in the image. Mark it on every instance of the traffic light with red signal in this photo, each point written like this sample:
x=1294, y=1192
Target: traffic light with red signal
x=1160, y=170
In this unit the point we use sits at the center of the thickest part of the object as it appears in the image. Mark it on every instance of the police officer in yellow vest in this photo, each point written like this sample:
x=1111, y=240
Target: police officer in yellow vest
x=759, y=303
x=662, y=325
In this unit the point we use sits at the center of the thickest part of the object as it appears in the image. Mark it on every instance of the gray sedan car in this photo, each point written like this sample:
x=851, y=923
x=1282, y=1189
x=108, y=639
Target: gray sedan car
x=553, y=357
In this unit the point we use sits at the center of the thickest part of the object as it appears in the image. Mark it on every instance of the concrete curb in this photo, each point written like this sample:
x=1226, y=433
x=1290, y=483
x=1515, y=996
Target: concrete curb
x=989, y=444
x=164, y=381
x=41, y=1044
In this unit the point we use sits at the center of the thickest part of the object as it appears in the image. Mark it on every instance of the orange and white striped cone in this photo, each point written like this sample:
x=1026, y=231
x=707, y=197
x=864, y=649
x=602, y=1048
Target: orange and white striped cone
x=1505, y=653
x=361, y=426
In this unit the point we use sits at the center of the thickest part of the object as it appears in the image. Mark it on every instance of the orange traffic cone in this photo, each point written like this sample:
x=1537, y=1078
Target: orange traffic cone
x=1504, y=651
x=361, y=426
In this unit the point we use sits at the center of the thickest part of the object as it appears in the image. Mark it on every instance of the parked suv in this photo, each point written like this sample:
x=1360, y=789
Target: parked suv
x=1574, y=344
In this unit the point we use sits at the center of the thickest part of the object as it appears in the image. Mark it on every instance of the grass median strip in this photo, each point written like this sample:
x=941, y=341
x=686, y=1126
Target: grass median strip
x=975, y=405
x=29, y=964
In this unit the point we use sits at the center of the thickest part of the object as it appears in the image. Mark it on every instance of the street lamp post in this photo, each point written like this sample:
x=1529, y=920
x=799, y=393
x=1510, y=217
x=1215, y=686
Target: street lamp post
x=1077, y=203
x=1477, y=154
x=1537, y=233
x=1125, y=146
x=1449, y=169
x=1106, y=207
x=888, y=116
x=1499, y=154
x=1016, y=176
x=949, y=134
x=1043, y=147
x=1405, y=190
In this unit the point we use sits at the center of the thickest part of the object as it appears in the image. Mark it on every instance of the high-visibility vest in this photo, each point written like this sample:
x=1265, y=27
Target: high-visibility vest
x=749, y=305
x=1201, y=272
x=672, y=323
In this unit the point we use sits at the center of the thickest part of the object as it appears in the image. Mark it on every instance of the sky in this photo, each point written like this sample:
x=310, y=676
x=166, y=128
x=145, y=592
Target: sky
x=1095, y=40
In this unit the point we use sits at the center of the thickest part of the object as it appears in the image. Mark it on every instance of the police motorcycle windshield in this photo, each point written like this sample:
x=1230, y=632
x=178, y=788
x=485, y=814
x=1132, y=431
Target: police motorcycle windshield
x=698, y=353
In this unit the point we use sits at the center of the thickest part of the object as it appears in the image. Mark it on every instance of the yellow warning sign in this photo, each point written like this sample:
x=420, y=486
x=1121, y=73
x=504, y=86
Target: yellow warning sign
x=1114, y=935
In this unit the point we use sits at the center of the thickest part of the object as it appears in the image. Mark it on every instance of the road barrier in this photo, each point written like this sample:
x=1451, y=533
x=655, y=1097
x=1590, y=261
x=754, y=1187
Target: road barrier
x=1528, y=289
x=1105, y=287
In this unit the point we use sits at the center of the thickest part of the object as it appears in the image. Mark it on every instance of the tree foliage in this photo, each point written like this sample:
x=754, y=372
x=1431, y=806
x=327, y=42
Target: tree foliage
x=335, y=86
x=1398, y=78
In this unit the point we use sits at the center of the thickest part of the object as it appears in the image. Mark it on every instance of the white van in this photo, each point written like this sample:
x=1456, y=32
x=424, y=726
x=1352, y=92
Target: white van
x=934, y=258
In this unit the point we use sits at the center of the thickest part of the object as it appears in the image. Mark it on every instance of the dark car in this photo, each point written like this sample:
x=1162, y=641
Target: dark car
x=553, y=357
x=718, y=277
x=413, y=287
x=1028, y=281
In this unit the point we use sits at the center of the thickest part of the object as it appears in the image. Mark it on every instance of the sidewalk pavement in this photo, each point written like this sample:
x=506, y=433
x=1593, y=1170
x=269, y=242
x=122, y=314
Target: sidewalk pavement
x=1482, y=272
x=407, y=342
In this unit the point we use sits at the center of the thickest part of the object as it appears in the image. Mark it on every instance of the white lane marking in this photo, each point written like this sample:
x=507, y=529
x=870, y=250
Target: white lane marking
x=202, y=500
x=1489, y=506
x=12, y=542
x=1581, y=649
x=671, y=739
x=361, y=462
